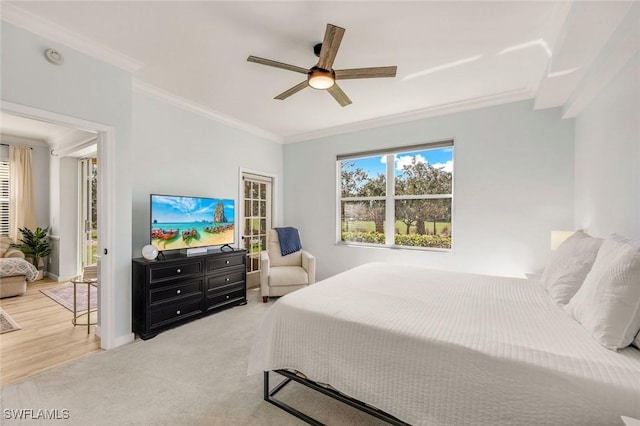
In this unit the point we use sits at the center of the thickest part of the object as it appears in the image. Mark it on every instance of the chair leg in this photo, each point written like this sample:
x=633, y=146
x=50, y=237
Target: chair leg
x=265, y=299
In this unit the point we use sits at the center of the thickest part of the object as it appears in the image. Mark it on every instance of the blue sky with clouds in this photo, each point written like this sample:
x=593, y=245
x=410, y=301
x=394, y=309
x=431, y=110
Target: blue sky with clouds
x=441, y=157
x=165, y=208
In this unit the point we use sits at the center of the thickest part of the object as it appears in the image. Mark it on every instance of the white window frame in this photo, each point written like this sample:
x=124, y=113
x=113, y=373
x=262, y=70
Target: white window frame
x=390, y=198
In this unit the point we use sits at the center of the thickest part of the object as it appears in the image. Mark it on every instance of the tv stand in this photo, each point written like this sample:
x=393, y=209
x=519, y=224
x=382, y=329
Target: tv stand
x=229, y=248
x=179, y=288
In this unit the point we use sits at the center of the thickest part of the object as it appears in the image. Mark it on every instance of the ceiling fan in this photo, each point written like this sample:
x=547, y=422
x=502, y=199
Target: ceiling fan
x=322, y=76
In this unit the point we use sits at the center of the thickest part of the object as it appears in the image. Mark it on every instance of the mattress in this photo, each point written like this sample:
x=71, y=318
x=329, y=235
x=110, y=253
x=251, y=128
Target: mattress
x=443, y=348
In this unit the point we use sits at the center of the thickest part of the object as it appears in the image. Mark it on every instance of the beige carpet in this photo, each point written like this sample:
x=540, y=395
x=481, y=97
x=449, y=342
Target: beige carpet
x=7, y=323
x=191, y=375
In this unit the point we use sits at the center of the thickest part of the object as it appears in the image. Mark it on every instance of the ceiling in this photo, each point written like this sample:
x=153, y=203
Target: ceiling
x=13, y=125
x=64, y=140
x=451, y=55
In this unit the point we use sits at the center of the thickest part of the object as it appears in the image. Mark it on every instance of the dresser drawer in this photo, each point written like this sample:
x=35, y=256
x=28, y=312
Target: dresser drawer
x=221, y=262
x=234, y=276
x=171, y=293
x=234, y=294
x=177, y=312
x=181, y=270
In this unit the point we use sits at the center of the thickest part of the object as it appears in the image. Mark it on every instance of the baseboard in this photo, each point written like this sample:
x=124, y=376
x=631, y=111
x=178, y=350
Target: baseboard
x=123, y=340
x=59, y=278
x=52, y=276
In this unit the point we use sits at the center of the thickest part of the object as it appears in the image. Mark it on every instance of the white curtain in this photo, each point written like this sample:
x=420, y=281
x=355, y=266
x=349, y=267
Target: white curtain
x=22, y=212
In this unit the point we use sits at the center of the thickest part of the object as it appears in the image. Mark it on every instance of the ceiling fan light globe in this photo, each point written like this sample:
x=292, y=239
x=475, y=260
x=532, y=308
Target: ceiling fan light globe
x=321, y=82
x=321, y=79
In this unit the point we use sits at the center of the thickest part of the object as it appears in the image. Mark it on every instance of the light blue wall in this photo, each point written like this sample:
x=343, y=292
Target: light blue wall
x=87, y=89
x=513, y=184
x=608, y=158
x=160, y=148
x=182, y=153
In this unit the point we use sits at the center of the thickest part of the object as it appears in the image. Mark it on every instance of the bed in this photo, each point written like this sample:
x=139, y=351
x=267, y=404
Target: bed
x=434, y=347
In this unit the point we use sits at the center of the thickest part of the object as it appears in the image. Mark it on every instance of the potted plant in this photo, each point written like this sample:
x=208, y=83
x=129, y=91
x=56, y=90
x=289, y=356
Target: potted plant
x=35, y=246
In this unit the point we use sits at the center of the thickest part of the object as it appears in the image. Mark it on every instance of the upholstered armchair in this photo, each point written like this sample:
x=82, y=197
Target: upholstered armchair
x=11, y=285
x=280, y=275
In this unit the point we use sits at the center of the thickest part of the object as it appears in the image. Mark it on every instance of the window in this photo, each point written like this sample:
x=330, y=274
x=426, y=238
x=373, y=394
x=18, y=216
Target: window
x=411, y=188
x=4, y=192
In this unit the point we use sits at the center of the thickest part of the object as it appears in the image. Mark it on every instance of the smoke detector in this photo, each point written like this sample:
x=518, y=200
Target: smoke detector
x=54, y=56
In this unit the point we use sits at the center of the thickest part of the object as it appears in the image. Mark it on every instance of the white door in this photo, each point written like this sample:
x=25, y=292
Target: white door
x=257, y=194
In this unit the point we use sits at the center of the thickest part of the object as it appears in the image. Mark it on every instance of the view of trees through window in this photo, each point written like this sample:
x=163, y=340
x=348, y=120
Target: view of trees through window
x=413, y=190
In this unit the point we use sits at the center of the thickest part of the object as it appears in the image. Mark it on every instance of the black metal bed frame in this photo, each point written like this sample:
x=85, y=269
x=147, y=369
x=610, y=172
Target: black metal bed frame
x=289, y=376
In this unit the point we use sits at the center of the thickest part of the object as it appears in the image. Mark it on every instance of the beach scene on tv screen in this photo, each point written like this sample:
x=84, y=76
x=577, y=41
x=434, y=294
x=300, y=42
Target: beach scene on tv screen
x=188, y=222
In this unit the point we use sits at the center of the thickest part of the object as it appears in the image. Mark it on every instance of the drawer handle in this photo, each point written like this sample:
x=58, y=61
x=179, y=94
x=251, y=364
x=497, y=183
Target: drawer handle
x=178, y=271
x=178, y=291
x=228, y=279
x=227, y=297
x=227, y=262
x=177, y=312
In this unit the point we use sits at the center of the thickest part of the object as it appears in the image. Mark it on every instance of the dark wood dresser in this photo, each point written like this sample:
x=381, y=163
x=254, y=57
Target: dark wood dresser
x=178, y=288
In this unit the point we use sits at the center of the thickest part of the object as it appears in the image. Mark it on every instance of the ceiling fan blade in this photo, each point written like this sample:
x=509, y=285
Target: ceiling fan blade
x=373, y=72
x=293, y=90
x=330, y=44
x=339, y=95
x=277, y=64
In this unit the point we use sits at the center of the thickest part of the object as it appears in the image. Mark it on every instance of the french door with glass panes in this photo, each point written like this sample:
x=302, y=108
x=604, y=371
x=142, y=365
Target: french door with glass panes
x=257, y=192
x=88, y=211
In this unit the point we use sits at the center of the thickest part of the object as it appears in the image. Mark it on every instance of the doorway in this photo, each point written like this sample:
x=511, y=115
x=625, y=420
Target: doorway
x=105, y=211
x=257, y=197
x=44, y=312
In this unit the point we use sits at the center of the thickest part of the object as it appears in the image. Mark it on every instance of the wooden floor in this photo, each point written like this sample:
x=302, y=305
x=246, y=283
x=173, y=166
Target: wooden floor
x=47, y=338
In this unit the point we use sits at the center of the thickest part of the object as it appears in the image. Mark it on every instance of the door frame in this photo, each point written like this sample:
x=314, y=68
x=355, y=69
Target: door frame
x=106, y=211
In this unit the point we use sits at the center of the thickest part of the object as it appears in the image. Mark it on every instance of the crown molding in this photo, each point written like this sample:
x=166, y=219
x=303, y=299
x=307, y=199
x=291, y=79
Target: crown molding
x=555, y=34
x=164, y=95
x=623, y=45
x=444, y=109
x=48, y=29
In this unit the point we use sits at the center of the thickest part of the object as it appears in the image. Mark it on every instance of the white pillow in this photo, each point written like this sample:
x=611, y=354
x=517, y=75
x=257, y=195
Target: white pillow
x=569, y=266
x=608, y=303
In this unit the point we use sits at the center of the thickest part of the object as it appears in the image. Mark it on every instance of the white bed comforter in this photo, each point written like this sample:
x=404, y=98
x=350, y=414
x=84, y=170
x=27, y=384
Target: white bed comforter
x=443, y=348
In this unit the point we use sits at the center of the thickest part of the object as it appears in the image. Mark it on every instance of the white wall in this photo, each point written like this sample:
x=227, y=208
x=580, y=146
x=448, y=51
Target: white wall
x=53, y=267
x=513, y=184
x=40, y=164
x=607, y=158
x=64, y=218
x=182, y=153
x=91, y=90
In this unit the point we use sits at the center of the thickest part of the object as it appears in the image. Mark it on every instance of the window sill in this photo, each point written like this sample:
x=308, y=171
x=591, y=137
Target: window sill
x=394, y=247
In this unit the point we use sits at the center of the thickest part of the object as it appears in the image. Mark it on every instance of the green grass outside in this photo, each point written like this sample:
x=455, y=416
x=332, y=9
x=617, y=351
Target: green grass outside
x=401, y=228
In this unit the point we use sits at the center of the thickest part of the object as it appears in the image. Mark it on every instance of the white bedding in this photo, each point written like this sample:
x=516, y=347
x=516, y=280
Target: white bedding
x=443, y=348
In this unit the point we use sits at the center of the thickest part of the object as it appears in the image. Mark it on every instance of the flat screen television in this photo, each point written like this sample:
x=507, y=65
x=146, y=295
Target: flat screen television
x=191, y=222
